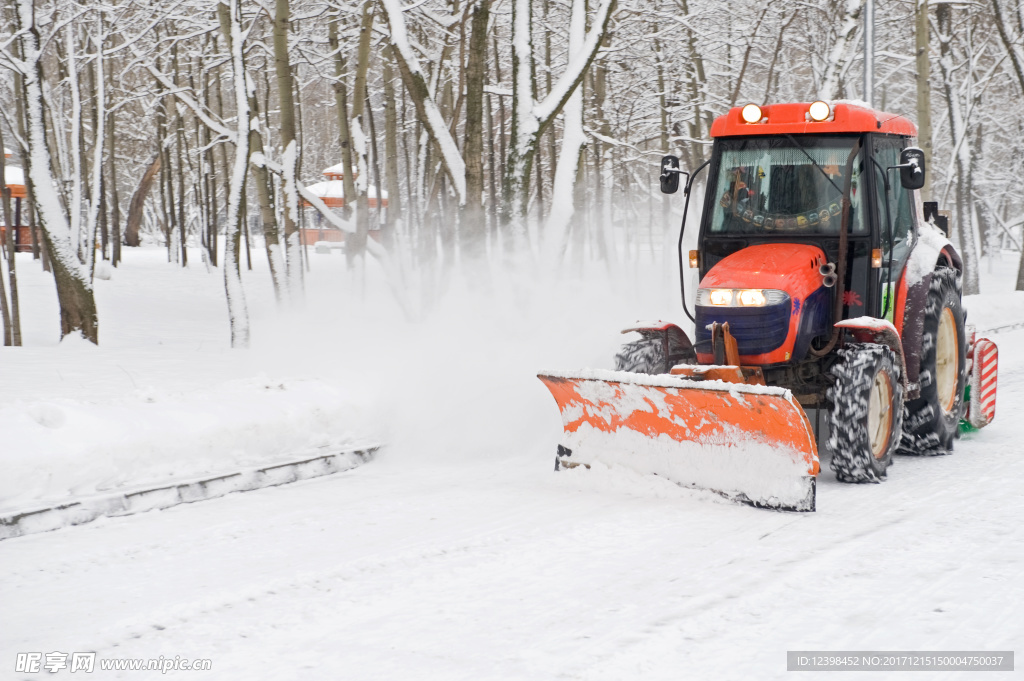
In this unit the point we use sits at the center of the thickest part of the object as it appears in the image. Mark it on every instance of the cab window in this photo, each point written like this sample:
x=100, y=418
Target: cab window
x=896, y=198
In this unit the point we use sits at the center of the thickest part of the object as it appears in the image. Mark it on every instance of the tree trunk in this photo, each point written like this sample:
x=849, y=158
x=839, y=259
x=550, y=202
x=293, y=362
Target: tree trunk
x=182, y=226
x=74, y=290
x=223, y=158
x=289, y=147
x=341, y=102
x=473, y=224
x=924, y=99
x=238, y=314
x=138, y=202
x=115, y=200
x=11, y=311
x=98, y=84
x=378, y=213
x=1018, y=69
x=77, y=151
x=355, y=244
x=5, y=314
x=166, y=181
x=394, y=208
x=963, y=226
x=268, y=212
x=574, y=140
x=492, y=180
x=842, y=52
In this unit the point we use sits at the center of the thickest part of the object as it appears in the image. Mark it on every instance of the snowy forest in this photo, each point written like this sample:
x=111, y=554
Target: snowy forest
x=524, y=132
x=356, y=339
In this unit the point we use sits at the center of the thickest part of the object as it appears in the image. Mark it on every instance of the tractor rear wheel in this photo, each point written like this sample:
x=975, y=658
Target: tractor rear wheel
x=867, y=412
x=931, y=421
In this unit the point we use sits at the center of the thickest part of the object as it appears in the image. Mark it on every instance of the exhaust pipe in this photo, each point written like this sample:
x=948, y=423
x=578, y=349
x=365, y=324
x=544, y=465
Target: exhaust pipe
x=828, y=274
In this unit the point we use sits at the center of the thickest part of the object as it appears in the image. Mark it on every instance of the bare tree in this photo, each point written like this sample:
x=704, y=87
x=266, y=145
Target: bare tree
x=74, y=285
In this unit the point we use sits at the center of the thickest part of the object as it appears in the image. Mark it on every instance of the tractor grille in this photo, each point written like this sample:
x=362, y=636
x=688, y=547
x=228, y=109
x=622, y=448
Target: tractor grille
x=757, y=330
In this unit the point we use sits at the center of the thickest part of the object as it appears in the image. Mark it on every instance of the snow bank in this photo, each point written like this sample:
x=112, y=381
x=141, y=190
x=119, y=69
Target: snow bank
x=162, y=398
x=57, y=448
x=995, y=310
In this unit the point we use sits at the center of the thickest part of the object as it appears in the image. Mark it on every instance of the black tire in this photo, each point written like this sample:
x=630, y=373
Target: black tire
x=644, y=356
x=931, y=421
x=868, y=386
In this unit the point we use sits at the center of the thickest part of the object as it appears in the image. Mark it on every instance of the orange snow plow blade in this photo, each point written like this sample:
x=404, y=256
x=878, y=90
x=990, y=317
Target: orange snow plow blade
x=749, y=443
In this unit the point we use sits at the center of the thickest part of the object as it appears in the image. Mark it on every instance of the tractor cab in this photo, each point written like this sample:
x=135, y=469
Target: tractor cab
x=810, y=216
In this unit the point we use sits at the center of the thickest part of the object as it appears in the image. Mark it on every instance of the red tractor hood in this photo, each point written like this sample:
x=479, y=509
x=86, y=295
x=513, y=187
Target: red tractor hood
x=792, y=268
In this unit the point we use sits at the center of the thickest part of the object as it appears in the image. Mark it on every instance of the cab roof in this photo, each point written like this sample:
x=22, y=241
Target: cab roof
x=793, y=118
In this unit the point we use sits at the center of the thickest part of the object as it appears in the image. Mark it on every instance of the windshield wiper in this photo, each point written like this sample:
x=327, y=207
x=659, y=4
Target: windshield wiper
x=822, y=170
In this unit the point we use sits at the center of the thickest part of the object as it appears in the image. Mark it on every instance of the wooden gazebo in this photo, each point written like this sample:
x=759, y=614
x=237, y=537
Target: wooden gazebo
x=14, y=178
x=332, y=192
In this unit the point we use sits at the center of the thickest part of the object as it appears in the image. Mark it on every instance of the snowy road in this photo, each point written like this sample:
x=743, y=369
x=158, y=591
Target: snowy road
x=506, y=570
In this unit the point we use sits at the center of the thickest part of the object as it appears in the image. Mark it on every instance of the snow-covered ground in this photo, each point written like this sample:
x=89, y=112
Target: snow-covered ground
x=162, y=398
x=458, y=553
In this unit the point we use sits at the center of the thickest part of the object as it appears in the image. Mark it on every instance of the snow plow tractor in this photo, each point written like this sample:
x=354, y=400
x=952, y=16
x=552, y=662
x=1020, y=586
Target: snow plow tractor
x=825, y=286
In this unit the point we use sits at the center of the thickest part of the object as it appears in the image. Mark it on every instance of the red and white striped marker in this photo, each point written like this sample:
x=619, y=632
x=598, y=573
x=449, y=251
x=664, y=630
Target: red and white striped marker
x=984, y=371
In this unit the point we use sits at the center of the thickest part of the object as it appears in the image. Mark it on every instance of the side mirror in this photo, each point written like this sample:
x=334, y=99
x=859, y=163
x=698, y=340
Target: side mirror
x=912, y=168
x=670, y=174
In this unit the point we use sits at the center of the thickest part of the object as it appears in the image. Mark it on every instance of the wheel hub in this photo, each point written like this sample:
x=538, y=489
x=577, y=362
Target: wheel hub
x=880, y=414
x=947, y=360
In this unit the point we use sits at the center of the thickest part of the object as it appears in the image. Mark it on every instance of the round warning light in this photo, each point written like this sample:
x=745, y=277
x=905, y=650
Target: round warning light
x=820, y=111
x=751, y=113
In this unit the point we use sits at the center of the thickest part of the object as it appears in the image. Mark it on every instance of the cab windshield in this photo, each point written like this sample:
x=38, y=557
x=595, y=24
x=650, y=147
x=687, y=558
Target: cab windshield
x=778, y=185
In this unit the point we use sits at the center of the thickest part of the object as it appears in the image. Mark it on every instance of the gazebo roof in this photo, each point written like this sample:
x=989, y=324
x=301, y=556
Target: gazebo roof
x=333, y=193
x=335, y=189
x=337, y=169
x=337, y=172
x=14, y=178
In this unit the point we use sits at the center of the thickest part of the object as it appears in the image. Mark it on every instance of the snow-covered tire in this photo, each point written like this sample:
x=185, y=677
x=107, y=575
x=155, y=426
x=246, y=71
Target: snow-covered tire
x=644, y=356
x=931, y=421
x=867, y=412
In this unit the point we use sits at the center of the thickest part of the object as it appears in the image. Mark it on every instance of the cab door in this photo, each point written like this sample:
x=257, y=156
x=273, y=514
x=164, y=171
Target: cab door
x=895, y=216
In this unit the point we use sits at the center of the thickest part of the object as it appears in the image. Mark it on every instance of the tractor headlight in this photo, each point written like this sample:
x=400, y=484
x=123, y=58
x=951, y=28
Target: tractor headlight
x=752, y=297
x=746, y=297
x=720, y=296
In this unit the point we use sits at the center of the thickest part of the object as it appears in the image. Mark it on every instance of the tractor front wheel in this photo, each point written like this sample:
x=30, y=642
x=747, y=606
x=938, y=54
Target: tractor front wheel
x=644, y=356
x=867, y=412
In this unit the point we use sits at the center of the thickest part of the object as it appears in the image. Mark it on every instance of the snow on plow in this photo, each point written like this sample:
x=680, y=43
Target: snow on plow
x=749, y=443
